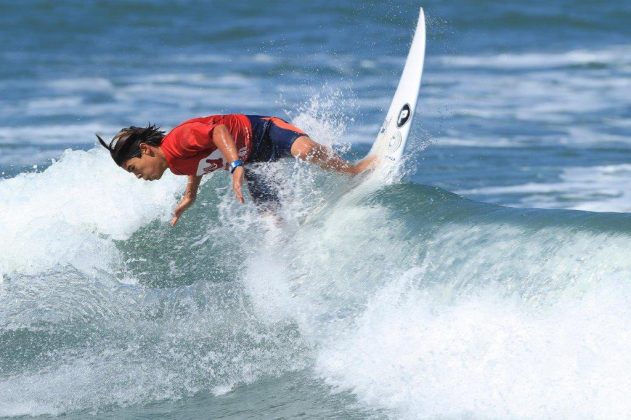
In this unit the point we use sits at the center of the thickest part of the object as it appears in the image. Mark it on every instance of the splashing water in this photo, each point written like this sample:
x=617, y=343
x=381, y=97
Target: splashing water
x=416, y=301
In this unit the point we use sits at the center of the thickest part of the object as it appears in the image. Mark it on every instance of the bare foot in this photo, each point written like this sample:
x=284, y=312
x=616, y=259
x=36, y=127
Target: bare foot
x=369, y=162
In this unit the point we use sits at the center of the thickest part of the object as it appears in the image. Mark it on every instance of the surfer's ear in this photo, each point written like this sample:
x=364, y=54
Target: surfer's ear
x=146, y=149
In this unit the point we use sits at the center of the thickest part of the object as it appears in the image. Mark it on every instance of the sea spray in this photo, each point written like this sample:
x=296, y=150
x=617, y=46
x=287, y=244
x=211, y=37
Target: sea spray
x=61, y=215
x=411, y=298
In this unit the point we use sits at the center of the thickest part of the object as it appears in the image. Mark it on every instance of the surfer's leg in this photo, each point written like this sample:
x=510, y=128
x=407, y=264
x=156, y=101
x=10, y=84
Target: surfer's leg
x=307, y=149
x=287, y=139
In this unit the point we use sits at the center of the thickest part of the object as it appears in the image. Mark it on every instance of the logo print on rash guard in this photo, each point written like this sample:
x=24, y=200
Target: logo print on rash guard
x=215, y=161
x=210, y=163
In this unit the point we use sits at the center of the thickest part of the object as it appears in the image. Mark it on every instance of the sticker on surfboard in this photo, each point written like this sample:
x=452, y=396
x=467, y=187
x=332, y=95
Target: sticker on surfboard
x=393, y=135
x=404, y=115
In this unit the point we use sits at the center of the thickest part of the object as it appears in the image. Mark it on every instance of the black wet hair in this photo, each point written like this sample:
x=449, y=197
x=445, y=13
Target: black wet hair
x=126, y=144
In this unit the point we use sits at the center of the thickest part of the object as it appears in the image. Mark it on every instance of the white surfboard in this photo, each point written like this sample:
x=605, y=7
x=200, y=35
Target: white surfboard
x=391, y=140
x=393, y=135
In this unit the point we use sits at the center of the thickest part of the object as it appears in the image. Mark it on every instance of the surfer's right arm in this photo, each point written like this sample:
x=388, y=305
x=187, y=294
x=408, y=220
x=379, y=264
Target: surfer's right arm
x=190, y=194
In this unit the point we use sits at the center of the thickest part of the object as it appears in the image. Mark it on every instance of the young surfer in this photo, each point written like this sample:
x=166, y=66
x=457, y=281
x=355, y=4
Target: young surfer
x=233, y=142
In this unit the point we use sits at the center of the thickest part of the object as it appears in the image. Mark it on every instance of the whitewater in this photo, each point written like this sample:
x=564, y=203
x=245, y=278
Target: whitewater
x=412, y=299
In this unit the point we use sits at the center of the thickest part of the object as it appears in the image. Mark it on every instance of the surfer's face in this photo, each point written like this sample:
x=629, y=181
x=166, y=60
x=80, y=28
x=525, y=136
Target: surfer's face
x=150, y=165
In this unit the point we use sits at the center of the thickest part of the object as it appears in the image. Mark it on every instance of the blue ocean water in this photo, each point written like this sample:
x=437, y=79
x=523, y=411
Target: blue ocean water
x=490, y=280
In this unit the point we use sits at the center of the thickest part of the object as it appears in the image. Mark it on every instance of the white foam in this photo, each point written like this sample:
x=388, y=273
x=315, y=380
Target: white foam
x=202, y=58
x=54, y=105
x=82, y=84
x=559, y=93
x=204, y=340
x=58, y=216
x=612, y=55
x=605, y=188
x=53, y=134
x=487, y=356
x=493, y=323
x=484, y=320
x=263, y=58
x=474, y=142
x=266, y=278
x=27, y=156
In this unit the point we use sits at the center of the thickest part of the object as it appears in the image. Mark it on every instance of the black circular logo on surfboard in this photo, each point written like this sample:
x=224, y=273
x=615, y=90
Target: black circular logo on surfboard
x=404, y=115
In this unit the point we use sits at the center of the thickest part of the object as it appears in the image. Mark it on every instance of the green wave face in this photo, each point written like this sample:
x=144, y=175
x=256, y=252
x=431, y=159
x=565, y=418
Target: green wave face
x=230, y=298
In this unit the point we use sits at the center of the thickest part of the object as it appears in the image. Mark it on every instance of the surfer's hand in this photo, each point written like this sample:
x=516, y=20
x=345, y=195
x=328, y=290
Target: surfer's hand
x=185, y=203
x=237, y=183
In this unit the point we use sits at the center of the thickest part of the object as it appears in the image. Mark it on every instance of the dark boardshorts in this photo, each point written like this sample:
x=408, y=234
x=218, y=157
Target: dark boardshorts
x=272, y=139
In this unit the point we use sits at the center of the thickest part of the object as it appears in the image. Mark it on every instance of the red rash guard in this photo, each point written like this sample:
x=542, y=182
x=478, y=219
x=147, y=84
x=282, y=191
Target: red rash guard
x=190, y=150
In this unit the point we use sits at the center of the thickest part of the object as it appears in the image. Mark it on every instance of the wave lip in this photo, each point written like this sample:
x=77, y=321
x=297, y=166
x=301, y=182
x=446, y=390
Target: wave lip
x=64, y=214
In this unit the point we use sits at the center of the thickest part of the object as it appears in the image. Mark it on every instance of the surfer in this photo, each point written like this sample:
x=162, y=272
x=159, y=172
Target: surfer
x=233, y=142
